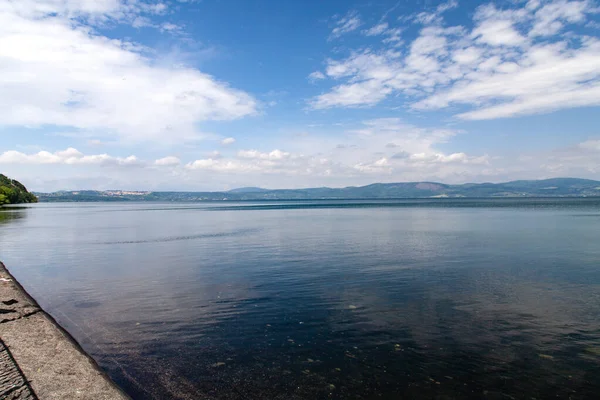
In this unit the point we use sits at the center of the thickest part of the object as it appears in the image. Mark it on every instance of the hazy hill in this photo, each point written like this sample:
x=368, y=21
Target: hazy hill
x=558, y=187
x=248, y=190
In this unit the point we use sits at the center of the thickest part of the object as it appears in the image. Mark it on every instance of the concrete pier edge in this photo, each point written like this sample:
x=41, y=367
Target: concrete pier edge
x=96, y=383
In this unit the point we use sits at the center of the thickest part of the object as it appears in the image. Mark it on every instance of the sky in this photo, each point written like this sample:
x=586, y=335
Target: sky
x=219, y=94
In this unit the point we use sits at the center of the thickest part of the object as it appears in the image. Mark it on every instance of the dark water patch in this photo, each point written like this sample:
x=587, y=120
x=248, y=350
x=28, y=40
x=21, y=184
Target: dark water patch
x=528, y=203
x=86, y=304
x=187, y=237
x=228, y=205
x=8, y=215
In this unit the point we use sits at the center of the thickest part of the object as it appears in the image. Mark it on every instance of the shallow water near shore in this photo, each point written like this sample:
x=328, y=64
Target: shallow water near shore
x=491, y=298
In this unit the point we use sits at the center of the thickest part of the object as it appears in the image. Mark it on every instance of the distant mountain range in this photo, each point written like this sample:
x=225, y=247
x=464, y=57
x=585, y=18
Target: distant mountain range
x=558, y=187
x=248, y=190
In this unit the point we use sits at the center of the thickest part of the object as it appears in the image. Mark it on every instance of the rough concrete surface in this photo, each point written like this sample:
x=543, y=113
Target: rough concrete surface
x=13, y=384
x=39, y=358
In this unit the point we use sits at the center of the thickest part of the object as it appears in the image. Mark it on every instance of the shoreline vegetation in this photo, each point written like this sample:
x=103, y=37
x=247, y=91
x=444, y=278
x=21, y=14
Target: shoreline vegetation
x=557, y=187
x=14, y=192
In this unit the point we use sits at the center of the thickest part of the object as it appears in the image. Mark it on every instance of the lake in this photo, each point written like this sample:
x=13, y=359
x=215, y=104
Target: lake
x=493, y=298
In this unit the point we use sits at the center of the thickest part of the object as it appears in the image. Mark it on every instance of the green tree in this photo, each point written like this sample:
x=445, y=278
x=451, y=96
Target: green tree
x=13, y=192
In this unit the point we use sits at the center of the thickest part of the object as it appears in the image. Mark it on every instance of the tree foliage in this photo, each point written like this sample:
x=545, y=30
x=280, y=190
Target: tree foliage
x=13, y=192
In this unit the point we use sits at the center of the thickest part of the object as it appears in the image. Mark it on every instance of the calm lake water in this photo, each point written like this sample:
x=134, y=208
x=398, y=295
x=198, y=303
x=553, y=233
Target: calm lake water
x=443, y=299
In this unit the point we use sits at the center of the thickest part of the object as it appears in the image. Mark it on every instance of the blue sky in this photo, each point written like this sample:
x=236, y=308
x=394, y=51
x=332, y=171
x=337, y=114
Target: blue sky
x=213, y=95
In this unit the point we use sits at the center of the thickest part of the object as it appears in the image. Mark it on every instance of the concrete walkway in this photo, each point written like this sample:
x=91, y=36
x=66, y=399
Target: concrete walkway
x=13, y=384
x=39, y=359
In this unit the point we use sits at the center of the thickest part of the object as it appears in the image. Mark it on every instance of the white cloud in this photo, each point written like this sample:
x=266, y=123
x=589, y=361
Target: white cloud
x=458, y=158
x=356, y=94
x=315, y=76
x=498, y=33
x=369, y=148
x=469, y=55
x=57, y=70
x=552, y=17
x=377, y=29
x=509, y=63
x=167, y=161
x=350, y=22
x=379, y=166
x=380, y=150
x=170, y=27
x=254, y=154
x=370, y=152
x=536, y=103
x=92, y=12
x=69, y=156
x=593, y=145
x=581, y=160
x=228, y=166
x=449, y=5
x=393, y=37
x=435, y=17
